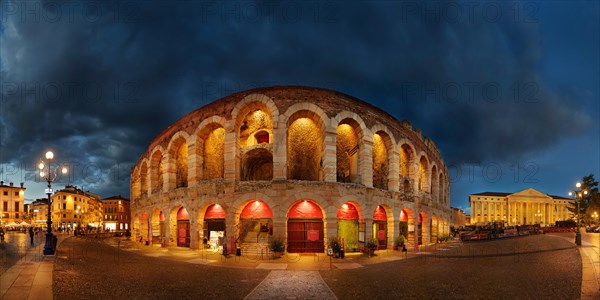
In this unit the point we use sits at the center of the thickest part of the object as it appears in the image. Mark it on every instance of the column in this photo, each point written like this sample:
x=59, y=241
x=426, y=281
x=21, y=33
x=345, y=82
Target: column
x=495, y=211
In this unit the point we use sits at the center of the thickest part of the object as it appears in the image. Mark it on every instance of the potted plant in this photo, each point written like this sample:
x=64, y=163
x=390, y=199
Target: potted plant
x=371, y=245
x=398, y=242
x=277, y=246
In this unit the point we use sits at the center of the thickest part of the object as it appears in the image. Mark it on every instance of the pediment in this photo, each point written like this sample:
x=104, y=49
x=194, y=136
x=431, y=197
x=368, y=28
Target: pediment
x=529, y=193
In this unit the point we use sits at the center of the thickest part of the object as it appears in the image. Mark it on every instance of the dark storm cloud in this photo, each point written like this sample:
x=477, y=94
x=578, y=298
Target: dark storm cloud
x=97, y=87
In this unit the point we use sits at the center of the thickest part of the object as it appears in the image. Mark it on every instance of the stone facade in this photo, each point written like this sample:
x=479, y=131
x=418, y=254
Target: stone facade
x=281, y=146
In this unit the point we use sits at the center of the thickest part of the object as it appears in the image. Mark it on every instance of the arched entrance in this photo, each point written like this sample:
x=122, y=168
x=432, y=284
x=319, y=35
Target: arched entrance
x=144, y=227
x=422, y=218
x=158, y=226
x=434, y=229
x=183, y=228
x=256, y=223
x=380, y=227
x=214, y=226
x=347, y=226
x=407, y=225
x=305, y=228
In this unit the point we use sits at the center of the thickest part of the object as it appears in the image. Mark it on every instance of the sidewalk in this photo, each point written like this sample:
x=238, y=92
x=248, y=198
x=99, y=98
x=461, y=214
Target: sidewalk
x=31, y=277
x=590, y=279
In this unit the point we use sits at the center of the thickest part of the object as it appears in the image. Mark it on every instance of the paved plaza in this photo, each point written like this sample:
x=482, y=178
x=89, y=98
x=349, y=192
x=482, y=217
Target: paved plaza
x=534, y=267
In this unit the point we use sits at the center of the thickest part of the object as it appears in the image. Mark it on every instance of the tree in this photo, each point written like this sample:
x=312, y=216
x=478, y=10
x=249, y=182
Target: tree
x=591, y=199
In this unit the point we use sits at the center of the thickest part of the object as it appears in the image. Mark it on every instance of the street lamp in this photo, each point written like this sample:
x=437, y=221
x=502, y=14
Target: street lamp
x=595, y=217
x=48, y=173
x=578, y=195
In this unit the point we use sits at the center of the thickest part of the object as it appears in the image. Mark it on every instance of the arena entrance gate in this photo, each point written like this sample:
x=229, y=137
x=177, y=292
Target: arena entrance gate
x=380, y=227
x=183, y=228
x=347, y=226
x=305, y=228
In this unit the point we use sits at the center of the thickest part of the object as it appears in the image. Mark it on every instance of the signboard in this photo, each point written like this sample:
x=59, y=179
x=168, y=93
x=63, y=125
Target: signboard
x=329, y=251
x=411, y=228
x=49, y=191
x=312, y=235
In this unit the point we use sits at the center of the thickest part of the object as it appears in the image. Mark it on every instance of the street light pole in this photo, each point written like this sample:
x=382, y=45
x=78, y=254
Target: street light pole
x=49, y=176
x=578, y=194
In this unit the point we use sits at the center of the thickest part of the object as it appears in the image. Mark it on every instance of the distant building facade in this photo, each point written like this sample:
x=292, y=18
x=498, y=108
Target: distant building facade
x=521, y=208
x=458, y=217
x=117, y=215
x=73, y=208
x=38, y=212
x=12, y=199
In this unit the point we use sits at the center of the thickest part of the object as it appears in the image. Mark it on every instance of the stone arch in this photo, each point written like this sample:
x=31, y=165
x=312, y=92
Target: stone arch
x=145, y=227
x=213, y=227
x=349, y=135
x=257, y=164
x=422, y=228
x=135, y=183
x=144, y=178
x=178, y=154
x=136, y=227
x=349, y=216
x=407, y=161
x=305, y=142
x=407, y=225
x=158, y=226
x=434, y=229
x=210, y=149
x=423, y=174
x=260, y=98
x=179, y=226
x=441, y=188
x=383, y=228
x=157, y=169
x=254, y=230
x=382, y=153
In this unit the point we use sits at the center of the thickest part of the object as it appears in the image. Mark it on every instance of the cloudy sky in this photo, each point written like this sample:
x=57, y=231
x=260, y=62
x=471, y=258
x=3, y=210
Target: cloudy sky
x=507, y=90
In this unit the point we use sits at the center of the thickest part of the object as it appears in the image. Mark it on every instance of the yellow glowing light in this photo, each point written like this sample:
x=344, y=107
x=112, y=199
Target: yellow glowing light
x=41, y=165
x=578, y=184
x=345, y=206
x=49, y=155
x=42, y=174
x=64, y=170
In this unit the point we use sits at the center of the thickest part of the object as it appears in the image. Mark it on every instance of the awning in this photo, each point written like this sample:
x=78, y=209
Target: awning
x=215, y=211
x=379, y=214
x=257, y=210
x=182, y=214
x=347, y=212
x=305, y=210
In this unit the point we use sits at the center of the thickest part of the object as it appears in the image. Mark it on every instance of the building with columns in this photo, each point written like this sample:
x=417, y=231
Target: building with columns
x=521, y=208
x=301, y=163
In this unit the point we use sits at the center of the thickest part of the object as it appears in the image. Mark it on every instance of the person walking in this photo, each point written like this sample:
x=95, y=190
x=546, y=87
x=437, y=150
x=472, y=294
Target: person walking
x=31, y=235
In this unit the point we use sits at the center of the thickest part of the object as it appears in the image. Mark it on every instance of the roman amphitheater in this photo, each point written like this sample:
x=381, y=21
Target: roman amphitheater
x=300, y=163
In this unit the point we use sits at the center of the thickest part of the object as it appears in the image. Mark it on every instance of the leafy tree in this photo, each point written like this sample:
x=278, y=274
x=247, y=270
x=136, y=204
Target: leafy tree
x=589, y=200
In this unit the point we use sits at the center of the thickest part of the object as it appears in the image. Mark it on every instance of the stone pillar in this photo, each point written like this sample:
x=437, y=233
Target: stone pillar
x=192, y=163
x=329, y=159
x=231, y=156
x=170, y=170
x=365, y=160
x=394, y=171
x=279, y=150
x=194, y=233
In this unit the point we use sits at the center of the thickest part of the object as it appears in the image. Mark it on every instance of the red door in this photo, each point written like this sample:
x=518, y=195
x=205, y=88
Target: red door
x=305, y=236
x=183, y=233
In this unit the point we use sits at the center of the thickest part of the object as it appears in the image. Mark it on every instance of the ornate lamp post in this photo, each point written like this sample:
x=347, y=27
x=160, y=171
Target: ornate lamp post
x=577, y=195
x=48, y=173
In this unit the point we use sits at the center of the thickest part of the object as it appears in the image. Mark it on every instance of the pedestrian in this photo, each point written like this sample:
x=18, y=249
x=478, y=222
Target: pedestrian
x=31, y=235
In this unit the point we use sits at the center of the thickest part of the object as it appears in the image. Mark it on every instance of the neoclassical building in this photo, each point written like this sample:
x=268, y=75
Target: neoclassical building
x=521, y=208
x=302, y=163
